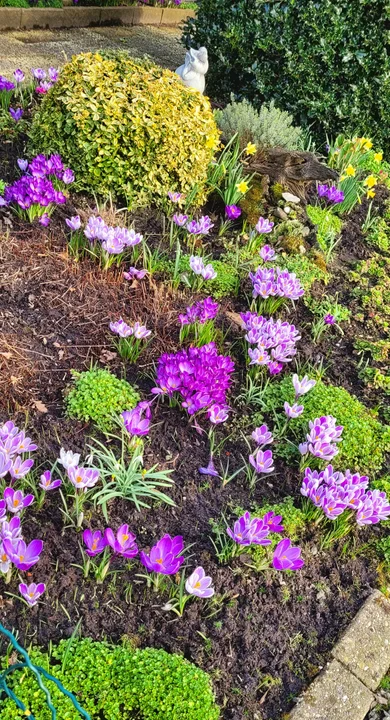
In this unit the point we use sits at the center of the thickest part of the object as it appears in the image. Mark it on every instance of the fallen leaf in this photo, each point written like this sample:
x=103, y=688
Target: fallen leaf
x=40, y=406
x=7, y=355
x=235, y=317
x=107, y=356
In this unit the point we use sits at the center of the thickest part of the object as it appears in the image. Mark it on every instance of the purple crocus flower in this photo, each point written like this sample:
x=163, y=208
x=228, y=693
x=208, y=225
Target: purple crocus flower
x=3, y=511
x=74, y=223
x=133, y=273
x=175, y=197
x=335, y=196
x=273, y=522
x=210, y=469
x=53, y=74
x=262, y=461
x=11, y=530
x=5, y=464
x=19, y=76
x=68, y=176
x=164, y=557
x=208, y=272
x=38, y=73
x=94, y=541
x=180, y=220
x=137, y=421
x=199, y=584
x=68, y=459
x=217, y=414
x=286, y=557
x=196, y=264
x=44, y=220
x=322, y=190
x=16, y=114
x=22, y=164
x=264, y=226
x=293, y=411
x=32, y=592
x=83, y=478
x=23, y=556
x=201, y=226
x=6, y=85
x=43, y=88
x=5, y=561
x=267, y=253
x=16, y=501
x=329, y=319
x=123, y=543
x=119, y=327
x=46, y=483
x=232, y=212
x=262, y=436
x=249, y=531
x=303, y=386
x=140, y=331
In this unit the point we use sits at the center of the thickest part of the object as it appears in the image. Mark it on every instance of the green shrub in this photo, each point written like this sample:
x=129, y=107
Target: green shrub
x=98, y=395
x=364, y=441
x=322, y=62
x=378, y=236
x=327, y=223
x=127, y=128
x=115, y=683
x=226, y=283
x=267, y=128
x=15, y=3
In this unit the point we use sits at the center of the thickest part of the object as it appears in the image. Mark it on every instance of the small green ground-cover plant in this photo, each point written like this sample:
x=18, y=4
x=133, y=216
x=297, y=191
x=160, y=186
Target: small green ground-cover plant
x=104, y=104
x=371, y=278
x=328, y=224
x=365, y=440
x=98, y=395
x=115, y=683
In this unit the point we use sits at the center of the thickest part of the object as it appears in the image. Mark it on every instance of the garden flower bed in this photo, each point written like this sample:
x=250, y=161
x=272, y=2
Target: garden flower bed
x=201, y=383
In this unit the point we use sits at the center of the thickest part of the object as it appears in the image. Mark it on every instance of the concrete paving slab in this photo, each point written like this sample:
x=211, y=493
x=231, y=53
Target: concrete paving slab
x=335, y=694
x=365, y=646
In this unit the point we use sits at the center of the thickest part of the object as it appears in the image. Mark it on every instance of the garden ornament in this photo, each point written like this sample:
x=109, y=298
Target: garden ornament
x=195, y=67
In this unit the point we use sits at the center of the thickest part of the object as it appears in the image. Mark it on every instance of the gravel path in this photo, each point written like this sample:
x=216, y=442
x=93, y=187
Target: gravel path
x=35, y=48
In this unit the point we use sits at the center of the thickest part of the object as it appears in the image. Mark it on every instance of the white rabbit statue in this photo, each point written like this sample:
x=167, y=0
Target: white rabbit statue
x=194, y=69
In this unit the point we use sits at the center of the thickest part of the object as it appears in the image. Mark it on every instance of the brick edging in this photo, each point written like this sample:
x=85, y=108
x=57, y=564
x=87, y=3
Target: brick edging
x=344, y=689
x=73, y=17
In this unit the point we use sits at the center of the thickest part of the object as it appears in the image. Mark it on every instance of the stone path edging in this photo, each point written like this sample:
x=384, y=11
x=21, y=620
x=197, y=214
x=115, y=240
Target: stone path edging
x=361, y=658
x=68, y=17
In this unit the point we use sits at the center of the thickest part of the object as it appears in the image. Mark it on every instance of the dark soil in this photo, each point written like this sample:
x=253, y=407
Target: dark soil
x=270, y=633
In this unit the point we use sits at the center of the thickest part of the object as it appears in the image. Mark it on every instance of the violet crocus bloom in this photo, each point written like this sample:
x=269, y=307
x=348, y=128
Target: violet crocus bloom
x=274, y=368
x=32, y=592
x=208, y=272
x=262, y=436
x=286, y=557
x=175, y=197
x=164, y=557
x=5, y=561
x=6, y=85
x=22, y=444
x=119, y=327
x=123, y=543
x=46, y=483
x=83, y=478
x=94, y=541
x=201, y=226
x=273, y=521
x=22, y=164
x=217, y=414
x=249, y=531
x=5, y=464
x=19, y=467
x=210, y=469
x=133, y=273
x=303, y=386
x=16, y=501
x=68, y=459
x=44, y=220
x=262, y=461
x=19, y=76
x=180, y=220
x=335, y=196
x=322, y=190
x=196, y=264
x=11, y=530
x=43, y=88
x=16, y=114
x=329, y=319
x=232, y=212
x=264, y=226
x=140, y=331
x=267, y=253
x=53, y=74
x=68, y=176
x=74, y=223
x=38, y=73
x=137, y=421
x=200, y=584
x=293, y=411
x=23, y=556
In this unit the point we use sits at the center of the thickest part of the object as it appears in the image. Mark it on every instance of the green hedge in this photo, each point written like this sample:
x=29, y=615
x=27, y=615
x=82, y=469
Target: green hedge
x=115, y=683
x=325, y=62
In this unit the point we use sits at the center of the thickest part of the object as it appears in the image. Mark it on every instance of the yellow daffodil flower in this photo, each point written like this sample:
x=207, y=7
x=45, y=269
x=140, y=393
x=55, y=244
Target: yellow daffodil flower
x=250, y=148
x=370, y=181
x=368, y=145
x=242, y=187
x=370, y=193
x=350, y=171
x=343, y=177
x=378, y=157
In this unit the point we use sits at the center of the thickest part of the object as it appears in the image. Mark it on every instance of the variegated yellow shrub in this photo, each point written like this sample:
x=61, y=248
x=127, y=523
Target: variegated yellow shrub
x=127, y=127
